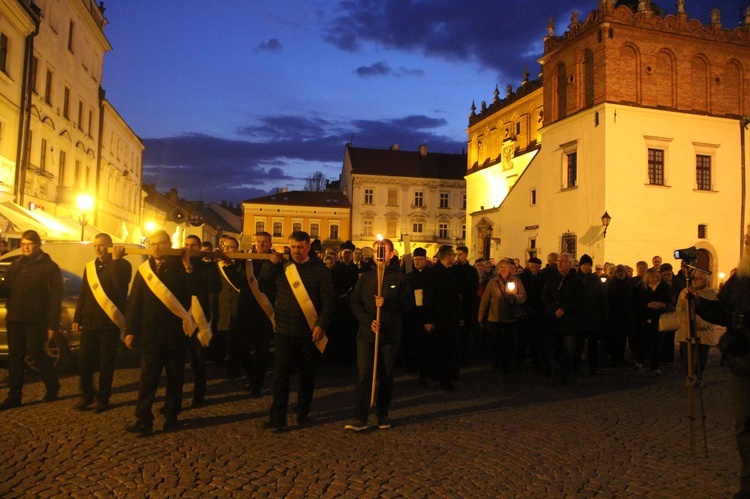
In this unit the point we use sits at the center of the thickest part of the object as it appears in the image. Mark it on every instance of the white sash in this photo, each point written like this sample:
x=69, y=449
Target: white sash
x=199, y=316
x=305, y=303
x=102, y=299
x=261, y=298
x=224, y=274
x=163, y=293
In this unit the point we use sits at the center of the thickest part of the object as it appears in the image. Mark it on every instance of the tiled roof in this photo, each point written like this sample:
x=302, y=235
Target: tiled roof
x=400, y=163
x=305, y=198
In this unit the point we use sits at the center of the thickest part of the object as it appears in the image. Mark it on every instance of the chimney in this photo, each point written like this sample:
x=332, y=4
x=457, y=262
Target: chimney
x=423, y=150
x=394, y=147
x=173, y=195
x=283, y=189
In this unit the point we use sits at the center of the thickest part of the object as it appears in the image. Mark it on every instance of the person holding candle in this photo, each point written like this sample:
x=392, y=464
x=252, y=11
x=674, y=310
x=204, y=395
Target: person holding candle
x=502, y=292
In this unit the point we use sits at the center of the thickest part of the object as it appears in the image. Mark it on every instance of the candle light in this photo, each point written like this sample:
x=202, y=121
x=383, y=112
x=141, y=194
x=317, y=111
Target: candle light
x=511, y=286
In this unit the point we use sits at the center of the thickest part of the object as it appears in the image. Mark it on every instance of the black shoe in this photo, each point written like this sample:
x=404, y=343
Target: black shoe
x=101, y=406
x=10, y=403
x=140, y=428
x=84, y=403
x=273, y=426
x=171, y=425
x=384, y=423
x=302, y=419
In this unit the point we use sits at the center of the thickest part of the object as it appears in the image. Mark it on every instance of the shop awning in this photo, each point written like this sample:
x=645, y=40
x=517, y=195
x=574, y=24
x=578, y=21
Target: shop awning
x=16, y=219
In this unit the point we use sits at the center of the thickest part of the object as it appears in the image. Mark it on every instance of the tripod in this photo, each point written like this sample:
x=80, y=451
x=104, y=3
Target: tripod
x=694, y=371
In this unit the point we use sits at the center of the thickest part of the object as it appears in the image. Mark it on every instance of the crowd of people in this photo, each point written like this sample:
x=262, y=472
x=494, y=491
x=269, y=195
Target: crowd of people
x=362, y=306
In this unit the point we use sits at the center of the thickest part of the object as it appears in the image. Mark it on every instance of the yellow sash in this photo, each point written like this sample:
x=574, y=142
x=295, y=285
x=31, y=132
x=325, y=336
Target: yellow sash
x=102, y=299
x=305, y=303
x=224, y=275
x=262, y=299
x=169, y=300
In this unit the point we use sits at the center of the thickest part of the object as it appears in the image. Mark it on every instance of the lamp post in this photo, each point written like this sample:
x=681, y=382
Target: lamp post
x=605, y=222
x=85, y=204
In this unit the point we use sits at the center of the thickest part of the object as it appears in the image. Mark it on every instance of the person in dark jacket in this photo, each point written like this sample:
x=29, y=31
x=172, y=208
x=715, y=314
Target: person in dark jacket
x=100, y=316
x=733, y=311
x=443, y=343
x=531, y=328
x=33, y=316
x=593, y=314
x=620, y=315
x=159, y=333
x=468, y=284
x=303, y=307
x=562, y=305
x=342, y=344
x=414, y=332
x=394, y=300
x=650, y=300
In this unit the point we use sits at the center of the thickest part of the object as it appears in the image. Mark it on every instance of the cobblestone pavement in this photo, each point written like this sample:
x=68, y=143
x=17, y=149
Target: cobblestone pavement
x=620, y=434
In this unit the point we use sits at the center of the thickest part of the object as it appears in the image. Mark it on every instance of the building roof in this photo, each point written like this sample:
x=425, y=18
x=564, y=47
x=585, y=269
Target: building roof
x=328, y=199
x=397, y=163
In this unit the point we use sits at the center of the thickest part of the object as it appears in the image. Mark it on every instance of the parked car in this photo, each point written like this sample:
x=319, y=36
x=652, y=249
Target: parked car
x=71, y=257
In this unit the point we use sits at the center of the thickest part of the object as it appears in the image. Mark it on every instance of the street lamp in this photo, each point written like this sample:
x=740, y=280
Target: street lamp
x=85, y=204
x=605, y=222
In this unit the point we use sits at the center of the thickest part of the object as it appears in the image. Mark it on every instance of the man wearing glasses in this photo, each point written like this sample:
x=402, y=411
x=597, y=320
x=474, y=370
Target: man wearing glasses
x=35, y=286
x=158, y=322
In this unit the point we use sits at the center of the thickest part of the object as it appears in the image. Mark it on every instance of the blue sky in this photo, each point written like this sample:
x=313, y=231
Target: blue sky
x=235, y=98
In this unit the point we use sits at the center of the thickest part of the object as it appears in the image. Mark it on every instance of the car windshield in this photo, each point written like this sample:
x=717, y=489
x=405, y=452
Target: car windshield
x=71, y=283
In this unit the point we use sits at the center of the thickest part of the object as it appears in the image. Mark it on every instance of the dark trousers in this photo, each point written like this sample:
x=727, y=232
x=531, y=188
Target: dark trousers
x=562, y=347
x=617, y=338
x=23, y=338
x=257, y=348
x=290, y=352
x=98, y=350
x=198, y=363
x=152, y=364
x=591, y=338
x=739, y=395
x=651, y=344
x=503, y=343
x=387, y=355
x=667, y=347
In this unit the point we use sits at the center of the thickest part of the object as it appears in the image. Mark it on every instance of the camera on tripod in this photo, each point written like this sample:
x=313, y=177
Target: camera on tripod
x=688, y=254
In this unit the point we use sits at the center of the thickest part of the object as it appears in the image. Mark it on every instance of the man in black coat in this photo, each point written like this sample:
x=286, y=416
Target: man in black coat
x=35, y=286
x=100, y=316
x=414, y=332
x=304, y=305
x=594, y=311
x=162, y=336
x=562, y=304
x=468, y=284
x=531, y=328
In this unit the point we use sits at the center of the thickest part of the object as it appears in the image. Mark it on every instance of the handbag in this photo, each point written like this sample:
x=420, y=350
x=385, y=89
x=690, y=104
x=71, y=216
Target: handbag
x=518, y=311
x=668, y=321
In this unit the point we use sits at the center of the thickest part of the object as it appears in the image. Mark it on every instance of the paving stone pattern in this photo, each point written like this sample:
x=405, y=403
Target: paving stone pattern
x=620, y=434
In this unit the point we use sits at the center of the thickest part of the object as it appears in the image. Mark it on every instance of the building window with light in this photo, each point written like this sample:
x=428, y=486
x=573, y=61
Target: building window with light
x=418, y=199
x=296, y=227
x=314, y=230
x=444, y=200
x=416, y=227
x=368, y=196
x=260, y=227
x=656, y=166
x=334, y=231
x=703, y=172
x=392, y=197
x=443, y=230
x=366, y=227
x=277, y=229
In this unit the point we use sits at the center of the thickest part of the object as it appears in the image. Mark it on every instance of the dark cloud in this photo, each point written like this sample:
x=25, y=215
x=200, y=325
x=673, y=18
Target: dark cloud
x=272, y=45
x=383, y=69
x=278, y=150
x=503, y=36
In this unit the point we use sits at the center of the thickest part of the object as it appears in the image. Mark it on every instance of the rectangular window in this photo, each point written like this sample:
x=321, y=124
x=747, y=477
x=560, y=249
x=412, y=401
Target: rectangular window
x=91, y=119
x=463, y=232
x=533, y=197
x=296, y=227
x=43, y=156
x=390, y=228
x=34, y=72
x=569, y=244
x=656, y=166
x=571, y=170
x=368, y=196
x=62, y=167
x=66, y=103
x=418, y=199
x=48, y=88
x=366, y=227
x=334, y=231
x=3, y=53
x=314, y=230
x=444, y=200
x=277, y=227
x=518, y=128
x=703, y=172
x=392, y=197
x=416, y=227
x=443, y=230
x=260, y=227
x=78, y=178
x=71, y=27
x=80, y=115
x=702, y=231
x=463, y=202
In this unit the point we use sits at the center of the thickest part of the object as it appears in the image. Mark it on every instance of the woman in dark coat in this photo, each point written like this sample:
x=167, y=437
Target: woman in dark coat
x=650, y=300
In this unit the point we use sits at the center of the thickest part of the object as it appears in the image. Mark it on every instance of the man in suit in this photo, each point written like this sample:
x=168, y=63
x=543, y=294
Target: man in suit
x=159, y=323
x=100, y=317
